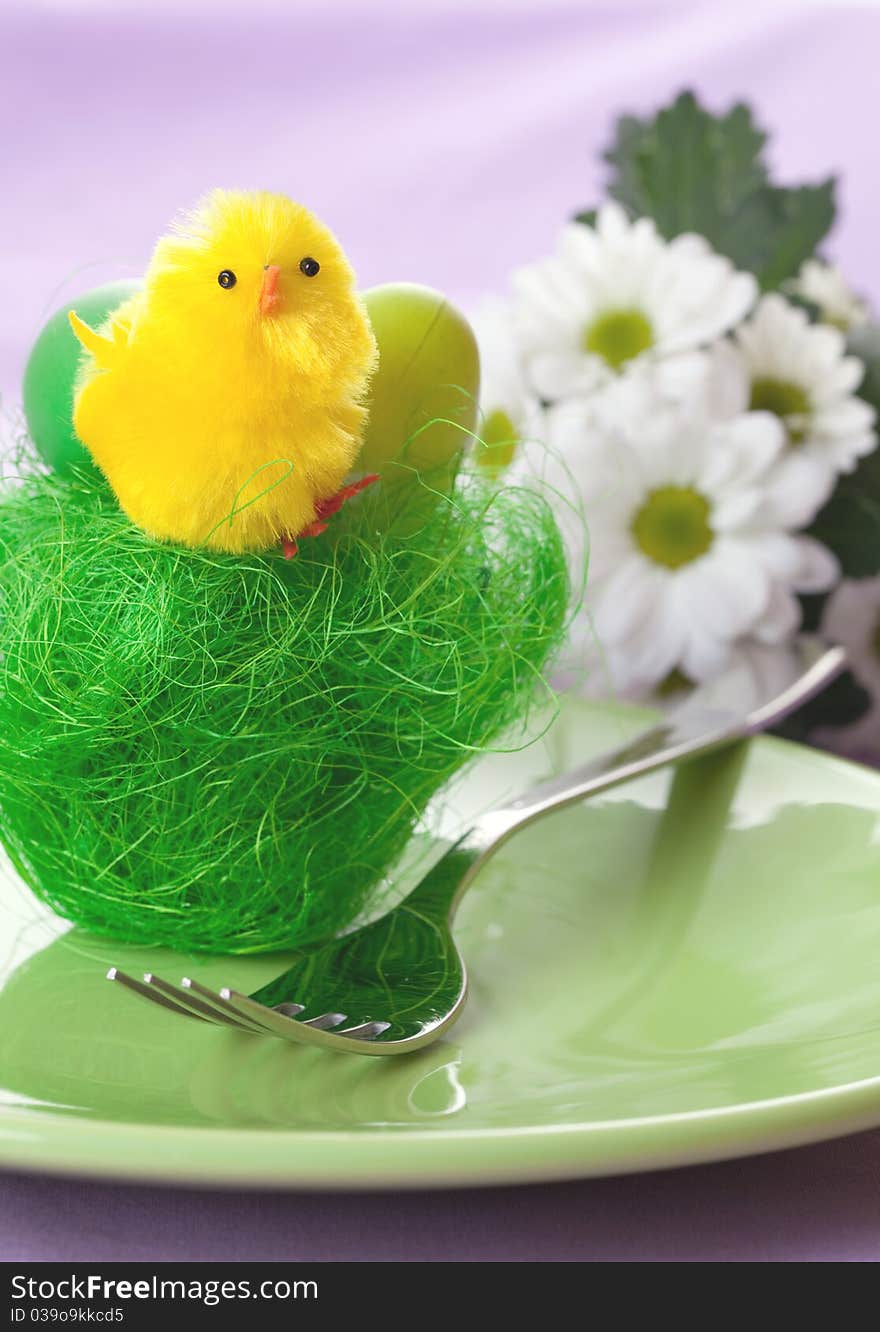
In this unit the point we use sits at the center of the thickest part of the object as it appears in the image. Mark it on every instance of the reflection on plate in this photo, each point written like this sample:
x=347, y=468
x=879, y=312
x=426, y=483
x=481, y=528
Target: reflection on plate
x=683, y=969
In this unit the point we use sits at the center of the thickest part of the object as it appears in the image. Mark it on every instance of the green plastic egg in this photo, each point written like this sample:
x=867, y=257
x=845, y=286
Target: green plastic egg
x=424, y=396
x=49, y=375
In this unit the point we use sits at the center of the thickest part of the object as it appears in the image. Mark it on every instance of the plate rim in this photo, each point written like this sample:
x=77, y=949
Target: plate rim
x=39, y=1140
x=72, y=1147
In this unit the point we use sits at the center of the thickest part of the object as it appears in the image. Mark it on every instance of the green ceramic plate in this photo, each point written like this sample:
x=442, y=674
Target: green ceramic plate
x=683, y=970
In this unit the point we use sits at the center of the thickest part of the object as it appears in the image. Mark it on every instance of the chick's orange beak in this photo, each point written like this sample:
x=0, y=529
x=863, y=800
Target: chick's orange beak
x=269, y=293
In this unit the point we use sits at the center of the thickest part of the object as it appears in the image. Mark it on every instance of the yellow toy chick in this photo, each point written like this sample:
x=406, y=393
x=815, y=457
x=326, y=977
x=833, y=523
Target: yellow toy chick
x=225, y=403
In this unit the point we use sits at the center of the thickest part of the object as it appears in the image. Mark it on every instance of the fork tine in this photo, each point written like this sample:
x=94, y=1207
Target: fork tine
x=277, y=1025
x=148, y=992
x=325, y=1021
x=366, y=1031
x=270, y=1021
x=176, y=995
x=209, y=1002
x=232, y=1009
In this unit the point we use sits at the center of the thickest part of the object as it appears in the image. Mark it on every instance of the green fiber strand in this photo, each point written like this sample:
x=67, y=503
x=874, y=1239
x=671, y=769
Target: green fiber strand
x=227, y=752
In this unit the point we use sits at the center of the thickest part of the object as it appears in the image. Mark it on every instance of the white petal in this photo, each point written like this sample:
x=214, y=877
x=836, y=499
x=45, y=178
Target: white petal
x=743, y=450
x=844, y=416
x=626, y=598
x=612, y=223
x=553, y=375
x=840, y=452
x=726, y=589
x=735, y=510
x=752, y=673
x=703, y=655
x=843, y=379
x=819, y=569
x=795, y=490
x=778, y=553
x=649, y=656
x=825, y=286
x=729, y=387
x=781, y=618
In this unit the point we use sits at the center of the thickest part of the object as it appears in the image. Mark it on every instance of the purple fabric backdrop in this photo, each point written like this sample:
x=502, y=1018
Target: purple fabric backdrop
x=818, y=1204
x=445, y=142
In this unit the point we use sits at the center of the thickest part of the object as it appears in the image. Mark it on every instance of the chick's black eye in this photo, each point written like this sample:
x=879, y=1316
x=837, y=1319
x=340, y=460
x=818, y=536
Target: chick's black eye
x=309, y=266
x=227, y=279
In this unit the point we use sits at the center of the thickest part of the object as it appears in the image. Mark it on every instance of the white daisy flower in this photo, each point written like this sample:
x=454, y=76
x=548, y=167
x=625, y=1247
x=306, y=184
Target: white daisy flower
x=692, y=534
x=714, y=385
x=800, y=372
x=616, y=293
x=509, y=413
x=825, y=287
x=751, y=673
x=852, y=618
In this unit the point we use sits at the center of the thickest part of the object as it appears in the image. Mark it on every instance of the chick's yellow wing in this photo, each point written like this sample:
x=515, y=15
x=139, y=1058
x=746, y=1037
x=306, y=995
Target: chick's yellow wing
x=107, y=351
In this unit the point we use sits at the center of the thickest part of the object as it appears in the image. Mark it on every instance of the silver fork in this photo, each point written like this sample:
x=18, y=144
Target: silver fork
x=399, y=982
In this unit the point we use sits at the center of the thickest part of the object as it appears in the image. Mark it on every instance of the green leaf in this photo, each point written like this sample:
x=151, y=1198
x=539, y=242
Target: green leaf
x=850, y=525
x=865, y=343
x=780, y=228
x=688, y=170
x=812, y=610
x=850, y=521
x=588, y=217
x=692, y=171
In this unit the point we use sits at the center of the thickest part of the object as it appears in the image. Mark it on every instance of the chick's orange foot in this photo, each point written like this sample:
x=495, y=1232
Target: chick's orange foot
x=325, y=509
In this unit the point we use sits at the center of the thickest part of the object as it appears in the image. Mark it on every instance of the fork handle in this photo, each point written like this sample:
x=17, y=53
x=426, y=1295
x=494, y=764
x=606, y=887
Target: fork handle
x=686, y=734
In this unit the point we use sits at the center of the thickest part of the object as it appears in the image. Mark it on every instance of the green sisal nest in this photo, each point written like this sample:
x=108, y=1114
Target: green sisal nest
x=227, y=753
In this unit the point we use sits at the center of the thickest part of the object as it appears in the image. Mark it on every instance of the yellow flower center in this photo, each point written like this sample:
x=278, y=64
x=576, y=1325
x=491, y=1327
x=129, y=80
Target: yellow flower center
x=784, y=399
x=672, y=526
x=619, y=336
x=676, y=682
x=499, y=438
